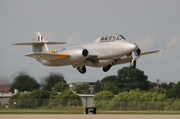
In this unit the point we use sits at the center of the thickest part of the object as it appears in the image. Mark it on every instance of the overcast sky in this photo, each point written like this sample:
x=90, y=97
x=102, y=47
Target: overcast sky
x=152, y=24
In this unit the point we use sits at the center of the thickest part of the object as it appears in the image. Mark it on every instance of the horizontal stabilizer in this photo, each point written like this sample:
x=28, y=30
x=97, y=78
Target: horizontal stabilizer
x=150, y=52
x=47, y=56
x=39, y=43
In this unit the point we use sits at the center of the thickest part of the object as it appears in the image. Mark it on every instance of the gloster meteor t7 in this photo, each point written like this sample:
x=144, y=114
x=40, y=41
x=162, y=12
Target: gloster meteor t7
x=104, y=52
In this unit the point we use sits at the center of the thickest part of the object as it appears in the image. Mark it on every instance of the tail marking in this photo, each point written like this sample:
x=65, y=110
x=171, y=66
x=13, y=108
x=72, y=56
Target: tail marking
x=40, y=38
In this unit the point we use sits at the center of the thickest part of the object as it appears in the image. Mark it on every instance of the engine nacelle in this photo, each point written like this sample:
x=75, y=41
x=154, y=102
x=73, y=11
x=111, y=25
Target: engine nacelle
x=77, y=54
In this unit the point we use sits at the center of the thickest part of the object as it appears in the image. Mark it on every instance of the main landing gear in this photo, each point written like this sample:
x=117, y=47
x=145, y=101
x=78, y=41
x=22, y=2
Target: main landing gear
x=82, y=70
x=106, y=68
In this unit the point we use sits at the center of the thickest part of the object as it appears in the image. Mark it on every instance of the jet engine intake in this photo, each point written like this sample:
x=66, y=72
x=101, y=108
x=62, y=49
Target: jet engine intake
x=138, y=52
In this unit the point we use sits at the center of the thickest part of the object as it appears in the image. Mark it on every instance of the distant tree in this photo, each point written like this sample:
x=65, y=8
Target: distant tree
x=132, y=78
x=171, y=84
x=61, y=87
x=82, y=89
x=24, y=82
x=68, y=94
x=52, y=79
x=174, y=92
x=141, y=96
x=39, y=94
x=35, y=94
x=14, y=99
x=111, y=78
x=66, y=98
x=32, y=99
x=97, y=87
x=164, y=85
x=108, y=83
x=159, y=90
x=104, y=96
x=153, y=85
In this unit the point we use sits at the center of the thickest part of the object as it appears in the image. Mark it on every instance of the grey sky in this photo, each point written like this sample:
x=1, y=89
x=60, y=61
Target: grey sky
x=152, y=24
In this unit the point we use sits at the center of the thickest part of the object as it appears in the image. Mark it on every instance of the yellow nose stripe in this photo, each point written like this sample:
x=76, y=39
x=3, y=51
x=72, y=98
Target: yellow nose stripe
x=142, y=53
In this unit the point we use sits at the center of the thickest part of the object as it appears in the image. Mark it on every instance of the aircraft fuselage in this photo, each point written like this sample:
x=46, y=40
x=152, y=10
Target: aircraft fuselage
x=104, y=53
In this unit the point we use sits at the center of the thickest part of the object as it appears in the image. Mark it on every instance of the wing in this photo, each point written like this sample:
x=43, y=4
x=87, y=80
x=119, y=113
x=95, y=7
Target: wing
x=150, y=52
x=48, y=56
x=40, y=43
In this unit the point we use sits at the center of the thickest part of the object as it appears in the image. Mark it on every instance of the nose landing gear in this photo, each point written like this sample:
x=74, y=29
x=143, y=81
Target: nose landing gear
x=133, y=64
x=135, y=56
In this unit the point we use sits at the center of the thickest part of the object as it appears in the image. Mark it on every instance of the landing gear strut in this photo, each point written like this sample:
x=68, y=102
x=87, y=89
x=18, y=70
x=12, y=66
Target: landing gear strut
x=82, y=70
x=135, y=56
x=106, y=68
x=133, y=64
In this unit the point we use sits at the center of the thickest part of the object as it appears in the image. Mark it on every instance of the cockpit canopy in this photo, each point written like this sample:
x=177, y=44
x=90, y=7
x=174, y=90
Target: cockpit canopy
x=111, y=37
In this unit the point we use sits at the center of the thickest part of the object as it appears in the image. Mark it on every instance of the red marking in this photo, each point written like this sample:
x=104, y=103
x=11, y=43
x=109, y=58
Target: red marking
x=42, y=39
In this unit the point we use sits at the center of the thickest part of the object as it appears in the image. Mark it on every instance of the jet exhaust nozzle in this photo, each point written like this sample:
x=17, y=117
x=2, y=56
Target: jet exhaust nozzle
x=85, y=53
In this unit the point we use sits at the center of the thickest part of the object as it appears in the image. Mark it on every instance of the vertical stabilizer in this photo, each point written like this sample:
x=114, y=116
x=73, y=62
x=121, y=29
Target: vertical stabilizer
x=41, y=46
x=37, y=37
x=38, y=44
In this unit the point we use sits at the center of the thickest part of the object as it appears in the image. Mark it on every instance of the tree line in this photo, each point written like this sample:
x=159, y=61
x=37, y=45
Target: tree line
x=128, y=82
x=55, y=89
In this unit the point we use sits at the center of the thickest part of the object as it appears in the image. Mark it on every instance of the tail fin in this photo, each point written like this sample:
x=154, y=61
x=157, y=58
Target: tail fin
x=37, y=37
x=38, y=44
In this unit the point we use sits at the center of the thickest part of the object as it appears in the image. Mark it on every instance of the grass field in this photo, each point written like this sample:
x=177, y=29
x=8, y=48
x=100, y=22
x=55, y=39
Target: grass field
x=79, y=111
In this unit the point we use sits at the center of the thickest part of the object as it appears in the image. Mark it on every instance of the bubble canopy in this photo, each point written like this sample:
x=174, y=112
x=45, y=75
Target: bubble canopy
x=110, y=38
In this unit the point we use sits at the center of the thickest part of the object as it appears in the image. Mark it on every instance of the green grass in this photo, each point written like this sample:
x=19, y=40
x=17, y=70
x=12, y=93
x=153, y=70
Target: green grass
x=77, y=111
x=139, y=112
x=39, y=111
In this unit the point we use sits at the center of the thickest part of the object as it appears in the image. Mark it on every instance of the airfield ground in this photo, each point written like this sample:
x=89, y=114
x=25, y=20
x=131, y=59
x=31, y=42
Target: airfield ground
x=78, y=114
x=80, y=111
x=82, y=116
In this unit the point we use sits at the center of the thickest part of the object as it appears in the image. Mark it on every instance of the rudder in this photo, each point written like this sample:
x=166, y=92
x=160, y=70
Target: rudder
x=40, y=46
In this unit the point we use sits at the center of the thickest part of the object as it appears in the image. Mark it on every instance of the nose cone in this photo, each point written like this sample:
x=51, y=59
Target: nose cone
x=132, y=46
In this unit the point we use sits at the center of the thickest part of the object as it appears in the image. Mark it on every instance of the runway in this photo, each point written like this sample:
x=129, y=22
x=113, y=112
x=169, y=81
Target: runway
x=90, y=116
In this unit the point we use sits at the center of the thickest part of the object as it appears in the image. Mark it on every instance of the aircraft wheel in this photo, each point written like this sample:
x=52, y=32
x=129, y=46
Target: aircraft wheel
x=133, y=64
x=106, y=68
x=82, y=70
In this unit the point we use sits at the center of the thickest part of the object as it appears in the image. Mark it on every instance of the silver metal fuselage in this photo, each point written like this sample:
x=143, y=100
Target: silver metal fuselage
x=100, y=54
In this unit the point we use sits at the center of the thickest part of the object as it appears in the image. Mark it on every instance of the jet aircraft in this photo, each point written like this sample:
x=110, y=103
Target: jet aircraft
x=105, y=52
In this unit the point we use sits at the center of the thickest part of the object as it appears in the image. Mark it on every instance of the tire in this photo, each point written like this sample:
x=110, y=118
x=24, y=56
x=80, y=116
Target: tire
x=133, y=64
x=106, y=68
x=82, y=70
